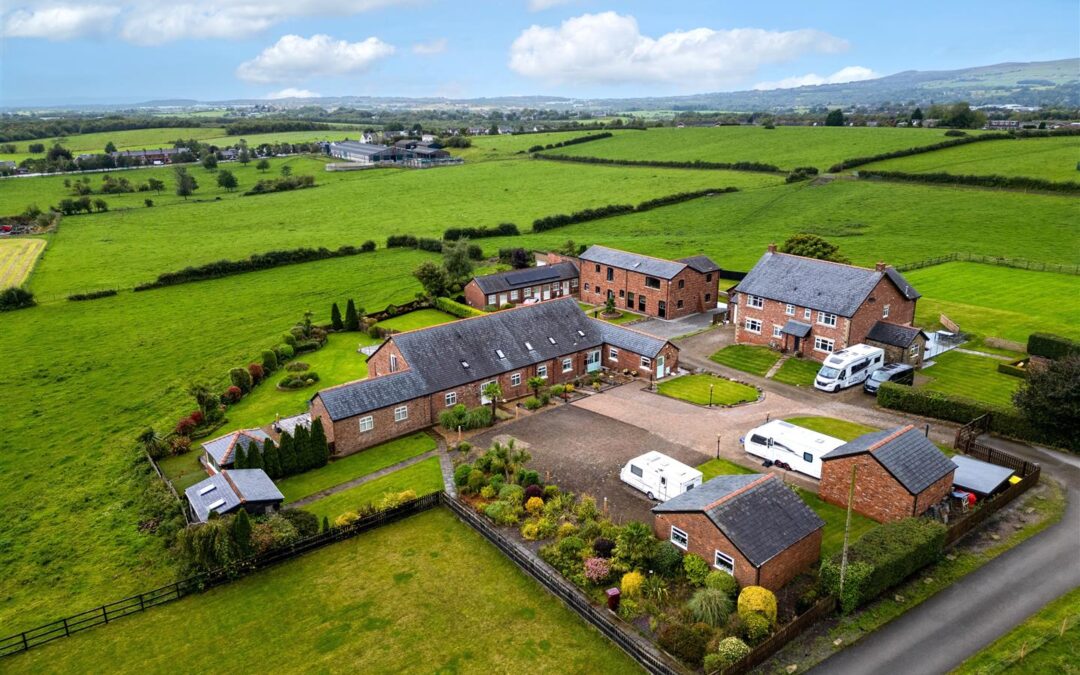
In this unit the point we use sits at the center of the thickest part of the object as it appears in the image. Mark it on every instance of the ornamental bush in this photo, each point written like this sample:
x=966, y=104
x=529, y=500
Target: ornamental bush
x=603, y=547
x=477, y=480
x=512, y=493
x=696, y=569
x=534, y=492
x=530, y=531
x=534, y=505
x=758, y=600
x=668, y=560
x=503, y=513
x=730, y=650
x=756, y=628
x=711, y=606
x=597, y=570
x=487, y=492
x=284, y=351
x=461, y=474
x=688, y=642
x=723, y=581
x=347, y=518
x=630, y=584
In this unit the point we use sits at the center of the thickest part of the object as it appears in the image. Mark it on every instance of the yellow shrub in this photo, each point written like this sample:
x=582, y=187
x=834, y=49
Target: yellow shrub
x=347, y=518
x=534, y=506
x=631, y=583
x=530, y=530
x=758, y=600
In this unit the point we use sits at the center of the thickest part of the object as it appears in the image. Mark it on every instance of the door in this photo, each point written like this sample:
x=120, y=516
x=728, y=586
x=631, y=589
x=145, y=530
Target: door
x=663, y=489
x=661, y=370
x=547, y=292
x=661, y=309
x=502, y=299
x=484, y=400
x=566, y=288
x=592, y=361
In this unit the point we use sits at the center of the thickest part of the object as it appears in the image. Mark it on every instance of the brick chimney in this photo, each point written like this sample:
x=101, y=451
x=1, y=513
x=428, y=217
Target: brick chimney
x=772, y=247
x=880, y=266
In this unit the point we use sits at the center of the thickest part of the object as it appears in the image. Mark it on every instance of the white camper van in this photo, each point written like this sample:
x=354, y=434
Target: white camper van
x=659, y=476
x=789, y=446
x=849, y=367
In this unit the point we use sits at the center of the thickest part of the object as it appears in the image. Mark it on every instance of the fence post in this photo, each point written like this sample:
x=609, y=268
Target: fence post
x=25, y=644
x=67, y=631
x=105, y=613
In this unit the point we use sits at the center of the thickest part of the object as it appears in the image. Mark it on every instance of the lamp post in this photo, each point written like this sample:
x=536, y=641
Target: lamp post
x=718, y=446
x=710, y=394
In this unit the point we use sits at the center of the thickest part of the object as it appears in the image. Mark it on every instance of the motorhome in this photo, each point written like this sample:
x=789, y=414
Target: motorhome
x=788, y=446
x=849, y=367
x=659, y=476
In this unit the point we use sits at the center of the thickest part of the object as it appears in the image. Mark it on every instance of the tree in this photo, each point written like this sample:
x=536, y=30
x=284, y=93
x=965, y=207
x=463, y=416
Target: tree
x=240, y=457
x=961, y=116
x=151, y=442
x=456, y=260
x=302, y=447
x=286, y=454
x=263, y=165
x=1050, y=398
x=204, y=397
x=186, y=185
x=535, y=383
x=15, y=297
x=241, y=533
x=635, y=544
x=352, y=318
x=286, y=171
x=271, y=459
x=254, y=456
x=244, y=156
x=209, y=161
x=835, y=118
x=917, y=116
x=156, y=185
x=110, y=147
x=434, y=278
x=335, y=317
x=492, y=391
x=58, y=152
x=320, y=448
x=812, y=246
x=519, y=258
x=325, y=524
x=101, y=205
x=227, y=180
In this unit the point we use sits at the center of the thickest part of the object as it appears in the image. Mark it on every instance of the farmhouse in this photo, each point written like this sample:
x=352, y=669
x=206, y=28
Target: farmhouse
x=899, y=473
x=220, y=453
x=816, y=307
x=751, y=526
x=229, y=491
x=665, y=289
x=159, y=156
x=415, y=375
x=523, y=286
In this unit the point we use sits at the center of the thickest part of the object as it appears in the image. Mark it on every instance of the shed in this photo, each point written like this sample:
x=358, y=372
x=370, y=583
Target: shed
x=230, y=490
x=982, y=478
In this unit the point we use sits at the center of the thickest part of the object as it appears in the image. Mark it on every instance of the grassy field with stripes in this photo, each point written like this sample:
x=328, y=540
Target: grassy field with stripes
x=17, y=258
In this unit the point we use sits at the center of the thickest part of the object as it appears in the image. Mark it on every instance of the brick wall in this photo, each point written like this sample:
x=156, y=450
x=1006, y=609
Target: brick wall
x=877, y=494
x=317, y=409
x=934, y=494
x=474, y=297
x=901, y=310
x=379, y=363
x=788, y=564
x=626, y=283
x=349, y=439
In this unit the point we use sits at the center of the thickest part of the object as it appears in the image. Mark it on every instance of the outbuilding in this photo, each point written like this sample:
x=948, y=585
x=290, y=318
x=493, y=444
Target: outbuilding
x=229, y=491
x=902, y=344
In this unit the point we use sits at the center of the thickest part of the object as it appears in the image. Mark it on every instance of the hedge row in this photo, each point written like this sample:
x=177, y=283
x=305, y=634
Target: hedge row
x=695, y=164
x=991, y=181
x=456, y=308
x=427, y=244
x=283, y=184
x=93, y=295
x=563, y=219
x=1012, y=369
x=571, y=141
x=1051, y=346
x=500, y=230
x=258, y=261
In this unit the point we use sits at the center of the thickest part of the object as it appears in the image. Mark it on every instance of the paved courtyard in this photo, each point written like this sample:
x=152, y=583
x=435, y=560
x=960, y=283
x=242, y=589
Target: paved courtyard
x=670, y=329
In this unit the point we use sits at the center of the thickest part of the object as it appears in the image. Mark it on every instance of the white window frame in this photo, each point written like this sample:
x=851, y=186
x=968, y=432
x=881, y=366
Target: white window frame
x=491, y=299
x=541, y=371
x=567, y=365
x=681, y=534
x=450, y=398
x=513, y=295
x=393, y=363
x=748, y=325
x=807, y=313
x=401, y=413
x=718, y=557
x=515, y=379
x=789, y=310
x=527, y=292
x=914, y=350
x=777, y=331
x=826, y=319
x=885, y=312
x=820, y=341
x=367, y=423
x=646, y=363
x=613, y=353
x=754, y=302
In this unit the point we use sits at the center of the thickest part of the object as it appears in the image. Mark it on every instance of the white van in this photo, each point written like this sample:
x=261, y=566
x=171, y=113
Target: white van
x=849, y=367
x=789, y=446
x=659, y=476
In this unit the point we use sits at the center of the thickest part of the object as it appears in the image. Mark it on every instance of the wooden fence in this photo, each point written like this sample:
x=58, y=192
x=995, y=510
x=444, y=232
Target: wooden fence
x=1018, y=263
x=780, y=638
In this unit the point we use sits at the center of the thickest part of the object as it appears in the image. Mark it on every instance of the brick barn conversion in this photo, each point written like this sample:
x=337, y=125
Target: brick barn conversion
x=415, y=375
x=900, y=474
x=750, y=526
x=526, y=285
x=816, y=307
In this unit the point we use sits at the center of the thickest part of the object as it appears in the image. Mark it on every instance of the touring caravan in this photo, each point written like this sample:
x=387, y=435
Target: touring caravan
x=849, y=367
x=789, y=446
x=659, y=476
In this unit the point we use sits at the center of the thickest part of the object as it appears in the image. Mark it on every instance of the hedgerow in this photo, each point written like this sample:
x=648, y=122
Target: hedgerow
x=585, y=215
x=571, y=141
x=990, y=181
x=759, y=167
x=283, y=184
x=92, y=295
x=456, y=308
x=500, y=230
x=1051, y=346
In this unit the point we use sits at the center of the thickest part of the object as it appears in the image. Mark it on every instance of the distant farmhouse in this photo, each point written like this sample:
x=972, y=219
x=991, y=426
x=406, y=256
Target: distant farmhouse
x=409, y=153
x=147, y=157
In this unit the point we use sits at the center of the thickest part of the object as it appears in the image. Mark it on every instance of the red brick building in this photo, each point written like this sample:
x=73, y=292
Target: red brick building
x=666, y=289
x=816, y=307
x=415, y=375
x=899, y=474
x=751, y=526
x=516, y=287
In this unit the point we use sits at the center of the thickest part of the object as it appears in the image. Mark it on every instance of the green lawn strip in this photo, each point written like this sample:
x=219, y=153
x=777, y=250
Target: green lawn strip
x=721, y=467
x=380, y=599
x=423, y=478
x=697, y=389
x=749, y=359
x=971, y=376
x=798, y=372
x=354, y=466
x=421, y=318
x=835, y=518
x=1046, y=642
x=830, y=426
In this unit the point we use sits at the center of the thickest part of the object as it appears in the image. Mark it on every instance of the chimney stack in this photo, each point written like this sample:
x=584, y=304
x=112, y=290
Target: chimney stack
x=772, y=247
x=880, y=266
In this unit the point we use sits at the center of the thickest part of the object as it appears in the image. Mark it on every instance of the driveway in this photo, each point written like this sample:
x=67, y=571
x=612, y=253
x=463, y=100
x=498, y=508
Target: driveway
x=666, y=329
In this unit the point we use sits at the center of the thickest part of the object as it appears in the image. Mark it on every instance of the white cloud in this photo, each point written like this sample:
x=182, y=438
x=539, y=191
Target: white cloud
x=541, y=5
x=59, y=22
x=292, y=92
x=609, y=48
x=848, y=74
x=430, y=48
x=295, y=58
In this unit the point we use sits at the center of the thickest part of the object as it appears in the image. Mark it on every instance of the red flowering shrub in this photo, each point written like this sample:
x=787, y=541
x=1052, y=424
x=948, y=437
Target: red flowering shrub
x=233, y=394
x=197, y=417
x=178, y=445
x=185, y=426
x=256, y=371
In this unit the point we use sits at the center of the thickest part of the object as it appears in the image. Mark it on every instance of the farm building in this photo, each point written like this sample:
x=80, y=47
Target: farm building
x=365, y=153
x=902, y=344
x=816, y=307
x=158, y=156
x=220, y=453
x=900, y=473
x=523, y=286
x=751, y=526
x=229, y=491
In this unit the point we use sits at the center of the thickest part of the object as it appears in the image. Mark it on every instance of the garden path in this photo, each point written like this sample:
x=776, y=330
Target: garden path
x=365, y=479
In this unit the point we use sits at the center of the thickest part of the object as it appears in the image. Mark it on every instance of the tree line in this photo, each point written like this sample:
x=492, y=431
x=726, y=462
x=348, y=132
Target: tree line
x=500, y=230
x=292, y=454
x=571, y=141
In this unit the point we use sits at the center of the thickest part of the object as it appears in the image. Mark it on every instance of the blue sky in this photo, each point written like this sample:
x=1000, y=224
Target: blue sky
x=53, y=51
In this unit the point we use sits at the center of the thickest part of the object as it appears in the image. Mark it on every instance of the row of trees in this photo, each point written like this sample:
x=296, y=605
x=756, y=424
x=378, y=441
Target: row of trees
x=351, y=321
x=292, y=454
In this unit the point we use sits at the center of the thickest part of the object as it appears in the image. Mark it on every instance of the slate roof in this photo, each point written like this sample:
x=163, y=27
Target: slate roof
x=358, y=148
x=516, y=279
x=700, y=263
x=796, y=328
x=223, y=448
x=434, y=355
x=893, y=334
x=905, y=452
x=665, y=269
x=818, y=284
x=226, y=491
x=760, y=515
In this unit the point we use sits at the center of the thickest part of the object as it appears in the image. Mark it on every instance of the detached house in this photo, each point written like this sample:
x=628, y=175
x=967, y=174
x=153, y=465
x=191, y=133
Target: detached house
x=229, y=491
x=666, y=289
x=415, y=375
x=815, y=307
x=751, y=526
x=523, y=286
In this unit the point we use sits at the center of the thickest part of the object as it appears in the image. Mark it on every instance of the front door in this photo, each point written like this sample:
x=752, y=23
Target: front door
x=592, y=361
x=661, y=371
x=661, y=309
x=547, y=292
x=502, y=299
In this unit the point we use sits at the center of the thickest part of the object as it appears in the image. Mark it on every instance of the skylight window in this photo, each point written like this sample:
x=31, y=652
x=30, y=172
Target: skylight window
x=216, y=505
x=464, y=364
x=528, y=345
x=551, y=340
x=500, y=354
x=208, y=488
x=581, y=333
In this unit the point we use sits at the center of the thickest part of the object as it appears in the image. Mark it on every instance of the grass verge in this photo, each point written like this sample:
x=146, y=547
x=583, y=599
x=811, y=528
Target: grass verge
x=798, y=372
x=706, y=389
x=421, y=318
x=749, y=359
x=423, y=478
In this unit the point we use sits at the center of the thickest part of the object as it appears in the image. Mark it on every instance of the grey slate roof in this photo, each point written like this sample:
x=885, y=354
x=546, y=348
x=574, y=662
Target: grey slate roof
x=893, y=334
x=979, y=476
x=222, y=448
x=665, y=269
x=905, y=452
x=434, y=355
x=700, y=263
x=818, y=284
x=796, y=328
x=358, y=148
x=516, y=279
x=762, y=520
x=231, y=488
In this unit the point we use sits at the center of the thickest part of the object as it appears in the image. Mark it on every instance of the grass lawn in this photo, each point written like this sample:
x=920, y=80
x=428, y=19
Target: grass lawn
x=17, y=258
x=721, y=467
x=798, y=372
x=354, y=466
x=830, y=426
x=129, y=139
x=1048, y=158
x=835, y=517
x=697, y=389
x=424, y=477
x=380, y=599
x=421, y=318
x=971, y=376
x=1047, y=642
x=747, y=358
x=503, y=146
x=596, y=311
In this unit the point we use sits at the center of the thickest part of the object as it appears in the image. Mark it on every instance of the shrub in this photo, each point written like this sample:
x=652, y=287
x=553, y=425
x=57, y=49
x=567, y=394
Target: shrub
x=269, y=360
x=723, y=581
x=667, y=560
x=730, y=650
x=14, y=297
x=711, y=606
x=547, y=527
x=527, y=477
x=713, y=663
x=630, y=584
x=533, y=403
x=255, y=370
x=808, y=599
x=477, y=480
x=635, y=544
x=696, y=568
x=461, y=474
x=571, y=547
x=757, y=600
x=530, y=531
x=512, y=493
x=534, y=505
x=1050, y=346
x=487, y=492
x=306, y=523
x=347, y=518
x=629, y=609
x=550, y=492
x=597, y=570
x=185, y=426
x=456, y=308
x=503, y=513
x=391, y=500
x=566, y=530
x=603, y=547
x=297, y=366
x=284, y=351
x=755, y=628
x=233, y=394
x=534, y=491
x=688, y=642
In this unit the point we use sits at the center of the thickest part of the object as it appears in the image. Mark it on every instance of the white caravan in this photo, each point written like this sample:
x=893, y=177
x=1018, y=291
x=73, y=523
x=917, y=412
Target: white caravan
x=789, y=446
x=659, y=476
x=849, y=367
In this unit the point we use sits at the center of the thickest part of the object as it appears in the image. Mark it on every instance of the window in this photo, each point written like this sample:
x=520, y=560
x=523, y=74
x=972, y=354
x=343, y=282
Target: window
x=541, y=371
x=515, y=379
x=551, y=340
x=823, y=344
x=646, y=362
x=914, y=351
x=754, y=302
x=826, y=319
x=598, y=290
x=611, y=294
x=682, y=283
x=753, y=326
x=708, y=277
x=528, y=292
x=450, y=398
x=573, y=282
x=652, y=282
x=777, y=331
x=401, y=413
x=789, y=310
x=567, y=365
x=641, y=303
x=464, y=364
x=808, y=458
x=629, y=300
x=500, y=354
x=636, y=470
x=586, y=285
x=610, y=274
x=393, y=363
x=613, y=354
x=708, y=297
x=679, y=538
x=367, y=423
x=513, y=295
x=622, y=293
x=885, y=312
x=724, y=563
x=678, y=304
x=806, y=314
x=491, y=300
x=528, y=345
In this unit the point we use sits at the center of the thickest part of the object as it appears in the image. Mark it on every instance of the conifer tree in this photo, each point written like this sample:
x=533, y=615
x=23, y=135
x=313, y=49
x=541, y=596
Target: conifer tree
x=254, y=457
x=239, y=457
x=320, y=449
x=241, y=533
x=286, y=454
x=302, y=445
x=325, y=524
x=352, y=319
x=271, y=460
x=335, y=317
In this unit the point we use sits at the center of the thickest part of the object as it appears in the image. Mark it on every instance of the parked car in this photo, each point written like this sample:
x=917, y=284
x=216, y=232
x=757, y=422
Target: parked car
x=659, y=476
x=790, y=447
x=900, y=373
x=849, y=367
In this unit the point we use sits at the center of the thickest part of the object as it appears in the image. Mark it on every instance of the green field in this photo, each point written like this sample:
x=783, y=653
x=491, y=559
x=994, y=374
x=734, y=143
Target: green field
x=422, y=478
x=997, y=301
x=131, y=139
x=971, y=376
x=380, y=599
x=17, y=258
x=706, y=389
x=486, y=148
x=785, y=147
x=1049, y=158
x=747, y=358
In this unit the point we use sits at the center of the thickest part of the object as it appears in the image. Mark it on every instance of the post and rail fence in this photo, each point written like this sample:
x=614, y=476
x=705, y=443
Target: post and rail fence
x=1017, y=263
